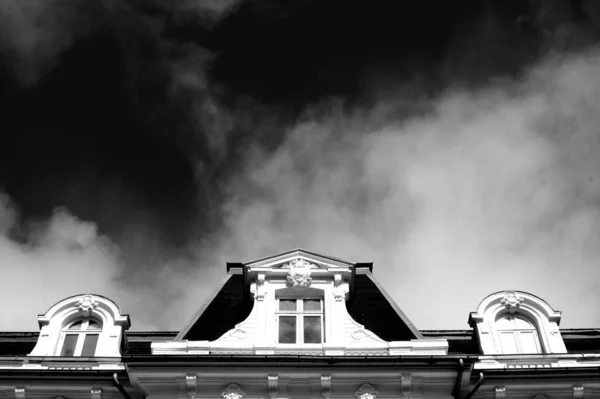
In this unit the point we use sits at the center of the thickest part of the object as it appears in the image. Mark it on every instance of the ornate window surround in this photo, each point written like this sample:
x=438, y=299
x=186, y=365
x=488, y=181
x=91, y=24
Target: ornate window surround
x=299, y=294
x=501, y=303
x=82, y=307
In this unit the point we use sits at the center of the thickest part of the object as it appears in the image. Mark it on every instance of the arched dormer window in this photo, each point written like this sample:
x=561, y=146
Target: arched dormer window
x=81, y=326
x=300, y=316
x=80, y=338
x=518, y=334
x=512, y=322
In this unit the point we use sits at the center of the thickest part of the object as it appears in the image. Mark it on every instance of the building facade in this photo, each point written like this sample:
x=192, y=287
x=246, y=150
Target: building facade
x=301, y=325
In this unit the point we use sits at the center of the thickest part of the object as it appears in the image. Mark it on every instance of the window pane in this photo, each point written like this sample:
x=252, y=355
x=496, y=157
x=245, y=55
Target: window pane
x=68, y=348
x=312, y=329
x=93, y=325
x=287, y=304
x=312, y=305
x=89, y=345
x=529, y=342
x=287, y=329
x=509, y=343
x=76, y=325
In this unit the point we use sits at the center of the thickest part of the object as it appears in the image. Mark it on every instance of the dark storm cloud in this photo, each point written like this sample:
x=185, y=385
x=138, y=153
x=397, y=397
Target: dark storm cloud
x=175, y=135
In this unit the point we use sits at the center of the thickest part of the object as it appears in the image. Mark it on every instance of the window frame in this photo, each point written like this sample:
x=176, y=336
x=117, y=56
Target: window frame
x=300, y=313
x=516, y=333
x=82, y=333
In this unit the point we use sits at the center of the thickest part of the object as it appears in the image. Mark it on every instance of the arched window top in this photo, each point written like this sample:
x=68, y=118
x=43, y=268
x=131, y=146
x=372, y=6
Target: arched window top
x=85, y=325
x=76, y=326
x=514, y=322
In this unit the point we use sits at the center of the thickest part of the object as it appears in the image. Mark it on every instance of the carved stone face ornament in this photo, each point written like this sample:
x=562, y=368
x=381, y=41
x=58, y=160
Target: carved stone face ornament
x=511, y=301
x=87, y=304
x=299, y=273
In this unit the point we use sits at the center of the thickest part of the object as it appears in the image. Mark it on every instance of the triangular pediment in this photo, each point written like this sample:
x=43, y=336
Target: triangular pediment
x=299, y=258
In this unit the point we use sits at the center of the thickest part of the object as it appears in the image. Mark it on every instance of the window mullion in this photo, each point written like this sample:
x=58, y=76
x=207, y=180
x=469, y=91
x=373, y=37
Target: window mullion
x=79, y=345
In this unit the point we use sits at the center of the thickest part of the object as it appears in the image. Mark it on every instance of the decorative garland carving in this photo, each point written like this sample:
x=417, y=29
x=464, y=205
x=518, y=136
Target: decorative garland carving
x=299, y=272
x=361, y=334
x=511, y=301
x=232, y=392
x=366, y=391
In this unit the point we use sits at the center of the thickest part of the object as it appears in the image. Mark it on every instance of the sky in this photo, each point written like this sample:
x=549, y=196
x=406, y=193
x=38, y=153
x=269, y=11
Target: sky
x=144, y=144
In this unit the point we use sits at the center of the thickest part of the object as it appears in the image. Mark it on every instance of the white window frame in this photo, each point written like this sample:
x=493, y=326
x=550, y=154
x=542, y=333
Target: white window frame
x=516, y=333
x=299, y=314
x=81, y=334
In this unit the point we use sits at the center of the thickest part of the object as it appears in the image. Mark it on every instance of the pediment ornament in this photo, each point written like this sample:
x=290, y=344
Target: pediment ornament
x=511, y=301
x=87, y=304
x=366, y=391
x=299, y=272
x=232, y=392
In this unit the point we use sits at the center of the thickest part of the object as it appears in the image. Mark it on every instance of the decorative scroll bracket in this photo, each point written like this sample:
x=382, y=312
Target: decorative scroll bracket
x=326, y=386
x=273, y=382
x=406, y=385
x=190, y=383
x=20, y=392
x=577, y=391
x=499, y=392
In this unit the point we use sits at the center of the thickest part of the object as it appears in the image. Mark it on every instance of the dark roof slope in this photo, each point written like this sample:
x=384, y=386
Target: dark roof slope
x=17, y=343
x=371, y=306
x=229, y=306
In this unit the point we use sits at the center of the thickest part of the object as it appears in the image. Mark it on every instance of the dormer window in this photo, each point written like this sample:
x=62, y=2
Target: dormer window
x=81, y=326
x=516, y=322
x=81, y=338
x=518, y=335
x=300, y=321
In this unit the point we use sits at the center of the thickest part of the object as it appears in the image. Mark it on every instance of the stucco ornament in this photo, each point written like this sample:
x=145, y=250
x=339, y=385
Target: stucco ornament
x=366, y=391
x=511, y=301
x=232, y=392
x=299, y=273
x=87, y=304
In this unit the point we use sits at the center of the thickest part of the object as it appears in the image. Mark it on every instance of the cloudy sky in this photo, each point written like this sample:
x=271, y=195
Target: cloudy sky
x=454, y=144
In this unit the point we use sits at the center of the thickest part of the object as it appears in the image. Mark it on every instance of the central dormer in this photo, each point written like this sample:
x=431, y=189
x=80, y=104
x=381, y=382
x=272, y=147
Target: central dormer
x=300, y=302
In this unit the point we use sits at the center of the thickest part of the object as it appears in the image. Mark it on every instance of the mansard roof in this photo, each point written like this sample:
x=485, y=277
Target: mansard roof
x=369, y=304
